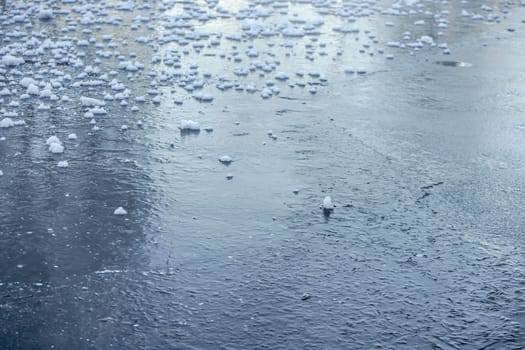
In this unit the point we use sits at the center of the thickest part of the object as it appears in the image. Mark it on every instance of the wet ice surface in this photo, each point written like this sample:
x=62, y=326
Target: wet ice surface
x=163, y=175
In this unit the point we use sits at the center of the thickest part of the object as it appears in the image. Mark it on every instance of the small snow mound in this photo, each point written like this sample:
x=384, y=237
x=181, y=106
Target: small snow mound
x=63, y=164
x=226, y=160
x=55, y=146
x=120, y=211
x=91, y=102
x=327, y=205
x=45, y=14
x=189, y=125
x=12, y=61
x=52, y=139
x=7, y=123
x=281, y=76
x=203, y=97
x=32, y=89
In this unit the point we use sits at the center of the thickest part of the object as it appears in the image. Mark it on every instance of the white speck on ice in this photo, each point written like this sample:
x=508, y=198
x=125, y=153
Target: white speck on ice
x=63, y=164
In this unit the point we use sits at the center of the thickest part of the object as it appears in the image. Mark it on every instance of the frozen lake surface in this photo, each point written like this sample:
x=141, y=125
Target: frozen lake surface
x=165, y=168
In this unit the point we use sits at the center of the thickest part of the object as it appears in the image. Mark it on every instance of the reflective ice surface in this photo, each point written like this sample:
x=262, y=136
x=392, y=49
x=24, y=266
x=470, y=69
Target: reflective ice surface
x=408, y=114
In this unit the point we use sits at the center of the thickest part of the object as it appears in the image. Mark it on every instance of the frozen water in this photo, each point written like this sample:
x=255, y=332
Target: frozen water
x=409, y=112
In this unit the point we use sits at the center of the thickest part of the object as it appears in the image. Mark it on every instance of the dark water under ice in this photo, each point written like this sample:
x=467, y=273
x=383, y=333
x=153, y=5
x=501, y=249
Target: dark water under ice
x=424, y=158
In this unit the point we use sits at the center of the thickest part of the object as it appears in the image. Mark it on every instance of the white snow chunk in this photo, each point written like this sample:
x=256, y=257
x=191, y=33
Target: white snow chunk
x=91, y=102
x=7, y=123
x=12, y=61
x=25, y=82
x=327, y=205
x=32, y=89
x=201, y=97
x=5, y=92
x=72, y=136
x=45, y=14
x=63, y=164
x=266, y=93
x=120, y=211
x=226, y=160
x=56, y=148
x=281, y=76
x=189, y=125
x=52, y=139
x=98, y=111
